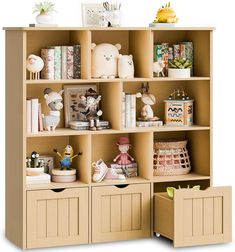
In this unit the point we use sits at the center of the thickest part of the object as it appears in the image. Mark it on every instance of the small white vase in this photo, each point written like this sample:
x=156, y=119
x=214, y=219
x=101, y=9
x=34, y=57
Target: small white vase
x=179, y=73
x=44, y=18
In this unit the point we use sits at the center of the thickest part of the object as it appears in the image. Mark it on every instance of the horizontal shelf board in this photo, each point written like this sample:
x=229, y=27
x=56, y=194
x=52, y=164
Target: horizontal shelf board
x=71, y=28
x=189, y=176
x=138, y=79
x=53, y=185
x=135, y=180
x=70, y=132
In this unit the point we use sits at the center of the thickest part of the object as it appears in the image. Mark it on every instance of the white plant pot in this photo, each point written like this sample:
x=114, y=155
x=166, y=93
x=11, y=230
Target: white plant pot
x=34, y=171
x=179, y=73
x=45, y=18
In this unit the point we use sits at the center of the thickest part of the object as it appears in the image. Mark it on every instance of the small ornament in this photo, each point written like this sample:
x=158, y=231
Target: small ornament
x=35, y=165
x=54, y=102
x=34, y=65
x=65, y=173
x=166, y=14
x=158, y=68
x=90, y=103
x=149, y=100
x=123, y=158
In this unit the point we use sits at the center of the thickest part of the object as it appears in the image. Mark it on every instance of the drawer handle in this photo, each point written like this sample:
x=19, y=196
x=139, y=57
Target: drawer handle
x=122, y=186
x=58, y=190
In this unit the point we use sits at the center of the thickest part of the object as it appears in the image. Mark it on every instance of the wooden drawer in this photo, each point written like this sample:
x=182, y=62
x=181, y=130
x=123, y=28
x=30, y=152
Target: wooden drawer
x=120, y=213
x=194, y=217
x=57, y=217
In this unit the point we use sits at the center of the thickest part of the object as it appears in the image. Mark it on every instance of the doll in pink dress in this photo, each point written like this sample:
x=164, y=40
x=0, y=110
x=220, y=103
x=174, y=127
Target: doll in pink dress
x=123, y=158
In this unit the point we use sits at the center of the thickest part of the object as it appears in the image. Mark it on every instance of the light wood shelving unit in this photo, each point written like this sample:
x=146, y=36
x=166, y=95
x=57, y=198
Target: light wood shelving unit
x=85, y=212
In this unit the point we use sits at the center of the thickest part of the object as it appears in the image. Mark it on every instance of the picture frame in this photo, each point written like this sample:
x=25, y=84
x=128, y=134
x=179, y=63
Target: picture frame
x=48, y=163
x=91, y=14
x=72, y=93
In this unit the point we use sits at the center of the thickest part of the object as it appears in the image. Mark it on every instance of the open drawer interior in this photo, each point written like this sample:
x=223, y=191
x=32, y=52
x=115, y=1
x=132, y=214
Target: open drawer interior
x=194, y=217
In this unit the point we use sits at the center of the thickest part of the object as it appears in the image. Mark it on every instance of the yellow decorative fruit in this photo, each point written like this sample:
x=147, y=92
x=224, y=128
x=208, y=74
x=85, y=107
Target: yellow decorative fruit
x=166, y=14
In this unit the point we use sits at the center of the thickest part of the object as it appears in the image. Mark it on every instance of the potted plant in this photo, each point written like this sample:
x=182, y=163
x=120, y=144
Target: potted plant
x=45, y=10
x=179, y=68
x=34, y=164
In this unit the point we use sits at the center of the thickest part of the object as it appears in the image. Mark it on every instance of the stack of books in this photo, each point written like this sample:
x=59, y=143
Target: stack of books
x=85, y=125
x=34, y=122
x=166, y=53
x=42, y=178
x=129, y=110
x=130, y=170
x=61, y=62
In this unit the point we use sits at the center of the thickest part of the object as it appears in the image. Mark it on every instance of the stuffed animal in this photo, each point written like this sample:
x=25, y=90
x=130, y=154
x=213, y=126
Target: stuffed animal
x=158, y=68
x=54, y=102
x=125, y=66
x=104, y=60
x=34, y=65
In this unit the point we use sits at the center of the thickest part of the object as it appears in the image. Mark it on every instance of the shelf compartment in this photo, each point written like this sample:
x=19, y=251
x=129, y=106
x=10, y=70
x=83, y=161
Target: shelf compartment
x=104, y=147
x=197, y=90
x=46, y=145
x=36, y=40
x=201, y=41
x=198, y=147
x=137, y=43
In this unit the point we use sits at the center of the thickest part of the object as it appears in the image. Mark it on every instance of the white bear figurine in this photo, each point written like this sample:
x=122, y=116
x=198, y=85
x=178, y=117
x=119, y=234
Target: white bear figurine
x=125, y=66
x=104, y=60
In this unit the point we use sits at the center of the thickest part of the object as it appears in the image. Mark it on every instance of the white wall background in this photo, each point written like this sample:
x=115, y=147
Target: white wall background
x=139, y=13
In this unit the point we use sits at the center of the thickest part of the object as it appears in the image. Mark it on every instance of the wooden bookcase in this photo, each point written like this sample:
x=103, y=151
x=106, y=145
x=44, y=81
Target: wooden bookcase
x=85, y=212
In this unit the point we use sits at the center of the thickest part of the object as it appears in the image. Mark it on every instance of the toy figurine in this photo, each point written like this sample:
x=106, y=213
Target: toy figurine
x=34, y=65
x=158, y=68
x=67, y=157
x=54, y=102
x=149, y=100
x=34, y=161
x=123, y=158
x=90, y=103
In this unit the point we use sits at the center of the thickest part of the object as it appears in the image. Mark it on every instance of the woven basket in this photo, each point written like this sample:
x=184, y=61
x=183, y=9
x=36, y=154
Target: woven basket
x=170, y=158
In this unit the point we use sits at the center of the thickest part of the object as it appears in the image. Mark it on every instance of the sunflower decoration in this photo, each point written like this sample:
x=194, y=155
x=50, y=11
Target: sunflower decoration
x=166, y=14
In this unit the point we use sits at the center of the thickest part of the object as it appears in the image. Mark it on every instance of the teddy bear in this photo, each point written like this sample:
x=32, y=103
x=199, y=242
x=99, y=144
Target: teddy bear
x=104, y=60
x=125, y=66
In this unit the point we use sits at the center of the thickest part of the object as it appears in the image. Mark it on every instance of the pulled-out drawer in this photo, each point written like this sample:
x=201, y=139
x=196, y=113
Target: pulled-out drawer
x=120, y=213
x=194, y=217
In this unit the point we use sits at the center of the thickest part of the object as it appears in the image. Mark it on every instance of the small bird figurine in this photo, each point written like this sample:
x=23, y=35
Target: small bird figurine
x=67, y=157
x=34, y=65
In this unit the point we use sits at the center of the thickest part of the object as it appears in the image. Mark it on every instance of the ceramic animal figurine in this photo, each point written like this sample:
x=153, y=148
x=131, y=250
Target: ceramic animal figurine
x=104, y=60
x=54, y=102
x=158, y=67
x=148, y=100
x=67, y=157
x=90, y=104
x=125, y=66
x=123, y=158
x=34, y=65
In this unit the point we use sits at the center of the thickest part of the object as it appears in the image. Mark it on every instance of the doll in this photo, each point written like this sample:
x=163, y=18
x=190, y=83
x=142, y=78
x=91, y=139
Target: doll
x=123, y=158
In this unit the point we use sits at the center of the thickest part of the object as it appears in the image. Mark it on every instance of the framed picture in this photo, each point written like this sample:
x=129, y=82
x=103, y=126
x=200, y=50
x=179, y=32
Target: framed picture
x=48, y=163
x=91, y=14
x=72, y=99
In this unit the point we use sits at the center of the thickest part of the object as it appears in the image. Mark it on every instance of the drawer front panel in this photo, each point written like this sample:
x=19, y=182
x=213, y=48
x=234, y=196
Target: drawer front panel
x=120, y=213
x=57, y=218
x=202, y=217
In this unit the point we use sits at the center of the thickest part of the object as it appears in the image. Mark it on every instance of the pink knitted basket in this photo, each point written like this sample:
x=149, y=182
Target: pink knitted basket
x=170, y=158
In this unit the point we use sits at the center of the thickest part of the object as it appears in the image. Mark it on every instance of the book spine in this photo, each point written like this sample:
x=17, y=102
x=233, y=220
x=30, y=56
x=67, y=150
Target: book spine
x=165, y=57
x=133, y=111
x=70, y=61
x=123, y=110
x=77, y=62
x=189, y=53
x=176, y=51
x=63, y=62
x=182, y=51
x=29, y=115
x=57, y=63
x=128, y=111
x=40, y=124
x=34, y=115
x=48, y=56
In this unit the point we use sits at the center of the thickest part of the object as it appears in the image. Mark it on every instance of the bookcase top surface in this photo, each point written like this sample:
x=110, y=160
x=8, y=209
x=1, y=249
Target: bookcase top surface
x=58, y=28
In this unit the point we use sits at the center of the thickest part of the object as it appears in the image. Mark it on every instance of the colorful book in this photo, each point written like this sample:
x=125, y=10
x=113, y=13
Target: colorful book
x=157, y=54
x=188, y=52
x=57, y=62
x=64, y=62
x=77, y=61
x=28, y=115
x=176, y=51
x=165, y=47
x=70, y=61
x=48, y=56
x=34, y=115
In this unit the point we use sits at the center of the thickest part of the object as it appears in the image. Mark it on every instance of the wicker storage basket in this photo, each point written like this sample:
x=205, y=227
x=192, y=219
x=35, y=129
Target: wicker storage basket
x=170, y=158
